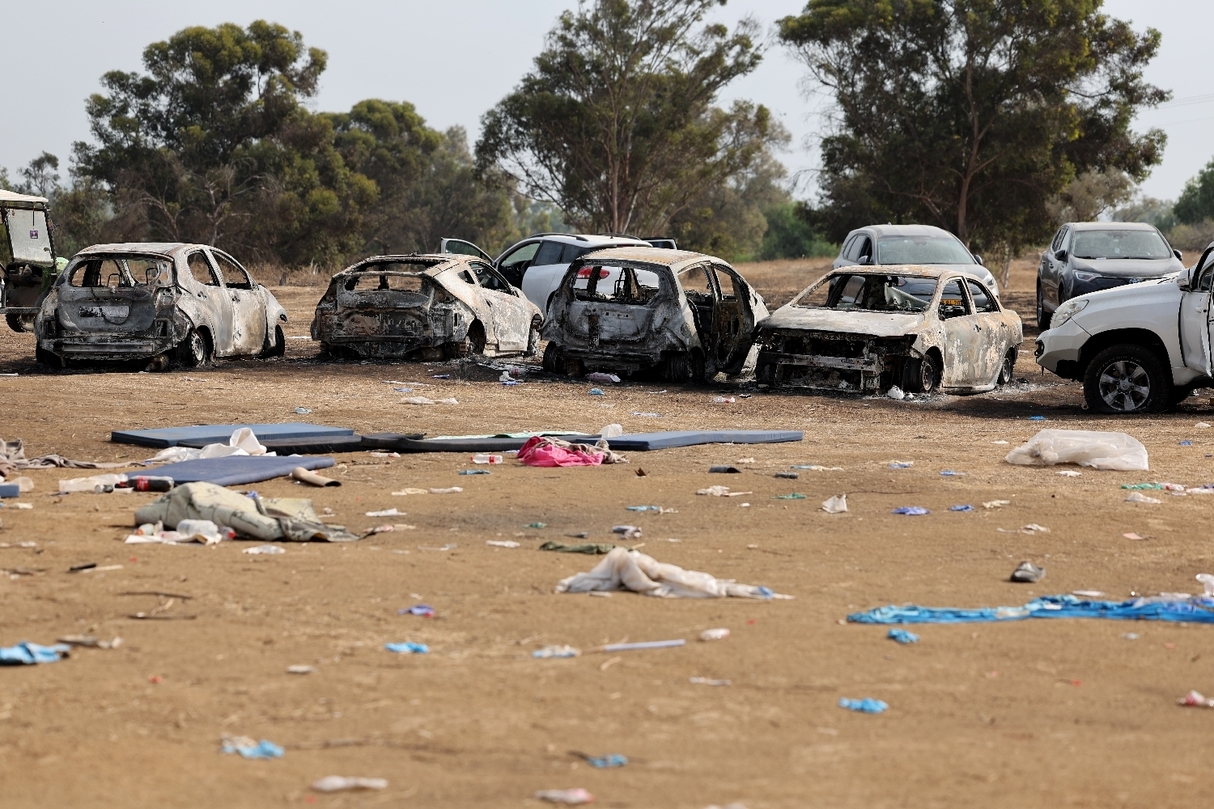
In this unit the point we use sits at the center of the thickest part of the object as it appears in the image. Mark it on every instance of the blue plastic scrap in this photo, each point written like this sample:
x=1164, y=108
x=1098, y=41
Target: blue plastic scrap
x=597, y=392
x=644, y=508
x=911, y=511
x=964, y=507
x=900, y=465
x=902, y=636
x=1038, y=418
x=866, y=705
x=424, y=610
x=1186, y=443
x=606, y=762
x=949, y=473
x=474, y=472
x=263, y=749
x=27, y=654
x=408, y=648
x=1197, y=610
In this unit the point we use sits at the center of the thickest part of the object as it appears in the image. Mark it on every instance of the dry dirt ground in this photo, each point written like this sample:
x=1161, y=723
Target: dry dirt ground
x=1066, y=712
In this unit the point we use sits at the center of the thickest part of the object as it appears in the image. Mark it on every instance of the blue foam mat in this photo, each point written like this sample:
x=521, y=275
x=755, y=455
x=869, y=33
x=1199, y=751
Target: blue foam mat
x=220, y=433
x=689, y=438
x=235, y=470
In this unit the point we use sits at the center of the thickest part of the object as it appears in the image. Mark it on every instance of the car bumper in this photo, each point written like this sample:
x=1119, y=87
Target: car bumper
x=1058, y=350
x=113, y=349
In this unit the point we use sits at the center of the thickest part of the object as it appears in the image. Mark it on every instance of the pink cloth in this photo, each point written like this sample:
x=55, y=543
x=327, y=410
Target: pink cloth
x=541, y=451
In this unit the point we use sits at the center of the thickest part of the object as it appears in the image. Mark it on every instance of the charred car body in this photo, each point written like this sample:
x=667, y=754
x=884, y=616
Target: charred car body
x=682, y=314
x=868, y=329
x=186, y=303
x=427, y=306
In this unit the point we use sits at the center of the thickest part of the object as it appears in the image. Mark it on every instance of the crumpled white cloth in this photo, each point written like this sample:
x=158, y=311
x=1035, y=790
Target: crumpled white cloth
x=622, y=569
x=1094, y=448
x=242, y=442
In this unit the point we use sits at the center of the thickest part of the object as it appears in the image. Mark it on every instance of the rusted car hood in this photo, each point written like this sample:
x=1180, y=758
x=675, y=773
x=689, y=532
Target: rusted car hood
x=877, y=324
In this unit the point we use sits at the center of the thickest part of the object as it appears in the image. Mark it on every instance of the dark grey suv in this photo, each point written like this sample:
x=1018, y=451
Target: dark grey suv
x=1091, y=256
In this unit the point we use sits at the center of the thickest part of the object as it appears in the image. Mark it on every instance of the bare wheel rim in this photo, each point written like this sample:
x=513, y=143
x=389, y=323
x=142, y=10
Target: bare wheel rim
x=1124, y=385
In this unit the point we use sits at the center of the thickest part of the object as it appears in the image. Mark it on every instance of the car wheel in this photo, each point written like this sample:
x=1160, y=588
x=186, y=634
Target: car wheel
x=533, y=339
x=20, y=323
x=192, y=352
x=473, y=343
x=1043, y=317
x=1008, y=369
x=678, y=367
x=921, y=375
x=280, y=344
x=554, y=363
x=1127, y=379
x=697, y=366
x=48, y=359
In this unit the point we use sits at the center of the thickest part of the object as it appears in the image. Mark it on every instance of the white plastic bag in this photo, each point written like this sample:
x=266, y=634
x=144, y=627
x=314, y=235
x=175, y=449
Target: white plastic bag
x=1099, y=450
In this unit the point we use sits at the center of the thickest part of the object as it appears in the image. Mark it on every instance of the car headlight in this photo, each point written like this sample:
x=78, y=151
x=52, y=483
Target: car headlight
x=1067, y=311
x=1080, y=275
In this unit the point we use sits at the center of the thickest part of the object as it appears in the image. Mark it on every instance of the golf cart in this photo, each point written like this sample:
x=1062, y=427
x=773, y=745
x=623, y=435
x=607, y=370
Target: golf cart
x=27, y=257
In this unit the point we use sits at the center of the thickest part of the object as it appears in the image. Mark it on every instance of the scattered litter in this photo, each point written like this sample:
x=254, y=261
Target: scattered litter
x=264, y=549
x=1034, y=528
x=1132, y=535
x=949, y=473
x=248, y=748
x=658, y=509
x=723, y=400
x=507, y=380
x=902, y=636
x=714, y=634
x=1130, y=635
x=502, y=543
x=792, y=496
x=487, y=458
x=962, y=507
x=1000, y=441
x=989, y=504
x=787, y=475
x=866, y=705
x=1139, y=497
x=1202, y=425
x=589, y=547
x=1194, y=699
x=901, y=464
x=599, y=376
x=1097, y=449
x=300, y=669
x=536, y=525
x=424, y=610
x=1038, y=418
x=706, y=681
x=725, y=470
x=339, y=783
x=571, y=797
x=1027, y=573
x=387, y=512
x=555, y=651
x=627, y=531
x=606, y=762
x=622, y=569
x=1186, y=443
x=409, y=491
x=1207, y=583
x=720, y=491
x=313, y=479
x=475, y=472
x=1172, y=607
x=1068, y=473
x=818, y=468
x=448, y=490
x=895, y=392
x=440, y=376
x=1088, y=593
x=835, y=505
x=425, y=400
x=27, y=654
x=450, y=546
x=408, y=648
x=640, y=414
x=90, y=641
x=597, y=392
x=303, y=411
x=641, y=646
x=204, y=532
x=911, y=511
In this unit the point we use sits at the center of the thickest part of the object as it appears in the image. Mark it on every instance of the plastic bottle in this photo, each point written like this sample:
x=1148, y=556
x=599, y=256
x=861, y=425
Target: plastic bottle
x=96, y=483
x=483, y=457
x=205, y=529
x=148, y=483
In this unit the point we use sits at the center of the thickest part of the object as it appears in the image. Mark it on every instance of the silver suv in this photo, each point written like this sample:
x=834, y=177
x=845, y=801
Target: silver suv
x=537, y=263
x=902, y=245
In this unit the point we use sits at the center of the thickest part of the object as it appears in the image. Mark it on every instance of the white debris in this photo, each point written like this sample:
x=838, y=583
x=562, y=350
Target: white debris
x=835, y=505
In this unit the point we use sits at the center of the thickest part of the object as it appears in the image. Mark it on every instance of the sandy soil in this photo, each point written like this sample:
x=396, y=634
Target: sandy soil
x=1069, y=713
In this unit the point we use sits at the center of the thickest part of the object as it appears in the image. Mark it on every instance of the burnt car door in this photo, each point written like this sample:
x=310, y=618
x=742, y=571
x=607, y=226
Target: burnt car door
x=618, y=302
x=211, y=307
x=739, y=309
x=510, y=314
x=962, y=336
x=463, y=248
x=993, y=329
x=248, y=307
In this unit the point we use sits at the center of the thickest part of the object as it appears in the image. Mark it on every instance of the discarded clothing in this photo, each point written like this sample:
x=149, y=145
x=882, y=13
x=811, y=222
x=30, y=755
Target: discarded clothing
x=1094, y=448
x=12, y=458
x=1194, y=610
x=545, y=451
x=622, y=569
x=866, y=705
x=902, y=636
x=259, y=518
x=242, y=442
x=27, y=654
x=911, y=511
x=249, y=748
x=589, y=547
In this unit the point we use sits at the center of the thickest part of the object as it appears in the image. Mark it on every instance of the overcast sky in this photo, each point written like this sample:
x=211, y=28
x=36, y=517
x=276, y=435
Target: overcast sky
x=455, y=59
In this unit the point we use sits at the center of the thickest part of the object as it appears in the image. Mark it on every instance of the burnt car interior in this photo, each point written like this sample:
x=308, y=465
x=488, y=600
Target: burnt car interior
x=872, y=293
x=115, y=272
x=630, y=286
x=718, y=316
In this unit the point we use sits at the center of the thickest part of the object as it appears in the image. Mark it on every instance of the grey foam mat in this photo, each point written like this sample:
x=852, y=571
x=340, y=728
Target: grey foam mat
x=235, y=470
x=204, y=434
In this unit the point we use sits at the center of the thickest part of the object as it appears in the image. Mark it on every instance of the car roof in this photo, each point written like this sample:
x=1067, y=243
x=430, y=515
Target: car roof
x=157, y=248
x=589, y=239
x=647, y=255
x=920, y=270
x=1112, y=226
x=907, y=230
x=432, y=259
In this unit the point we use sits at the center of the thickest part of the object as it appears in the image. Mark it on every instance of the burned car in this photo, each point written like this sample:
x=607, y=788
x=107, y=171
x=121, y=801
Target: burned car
x=166, y=303
x=627, y=309
x=437, y=306
x=869, y=329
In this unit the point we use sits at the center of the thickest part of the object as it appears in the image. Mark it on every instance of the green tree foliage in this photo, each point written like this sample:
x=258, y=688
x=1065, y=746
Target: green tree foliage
x=616, y=123
x=972, y=114
x=790, y=235
x=1089, y=195
x=1196, y=201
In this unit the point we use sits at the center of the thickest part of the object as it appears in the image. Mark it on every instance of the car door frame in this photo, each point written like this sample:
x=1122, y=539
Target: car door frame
x=212, y=309
x=1053, y=268
x=1196, y=318
x=444, y=243
x=958, y=348
x=506, y=337
x=248, y=308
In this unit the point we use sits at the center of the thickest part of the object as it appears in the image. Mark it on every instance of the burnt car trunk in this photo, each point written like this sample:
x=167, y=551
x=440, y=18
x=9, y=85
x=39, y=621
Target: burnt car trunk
x=834, y=361
x=105, y=322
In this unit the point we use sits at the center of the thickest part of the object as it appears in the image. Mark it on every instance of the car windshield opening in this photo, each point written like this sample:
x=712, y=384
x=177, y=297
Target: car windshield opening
x=870, y=293
x=368, y=281
x=627, y=285
x=1120, y=244
x=922, y=250
x=117, y=271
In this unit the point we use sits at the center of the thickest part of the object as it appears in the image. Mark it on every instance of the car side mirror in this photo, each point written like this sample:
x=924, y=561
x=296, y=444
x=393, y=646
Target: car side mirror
x=865, y=261
x=980, y=261
x=1176, y=253
x=1185, y=279
x=1060, y=255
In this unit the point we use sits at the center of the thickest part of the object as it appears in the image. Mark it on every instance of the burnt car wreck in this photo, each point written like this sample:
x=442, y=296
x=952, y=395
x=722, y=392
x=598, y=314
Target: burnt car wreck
x=867, y=330
x=162, y=303
x=429, y=307
x=678, y=314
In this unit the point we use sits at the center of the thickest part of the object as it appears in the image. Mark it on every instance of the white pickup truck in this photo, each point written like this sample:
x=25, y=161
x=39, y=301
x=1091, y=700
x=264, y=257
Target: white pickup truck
x=1140, y=348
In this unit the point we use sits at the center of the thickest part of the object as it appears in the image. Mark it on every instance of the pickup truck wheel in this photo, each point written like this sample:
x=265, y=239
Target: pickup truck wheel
x=1127, y=379
x=1043, y=317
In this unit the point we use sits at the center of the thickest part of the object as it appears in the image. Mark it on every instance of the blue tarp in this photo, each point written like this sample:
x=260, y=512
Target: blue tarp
x=27, y=654
x=1199, y=610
